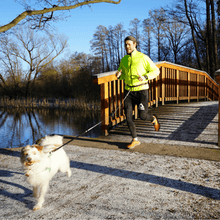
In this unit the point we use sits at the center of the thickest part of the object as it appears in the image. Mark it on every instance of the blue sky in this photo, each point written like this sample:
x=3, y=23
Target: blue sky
x=80, y=27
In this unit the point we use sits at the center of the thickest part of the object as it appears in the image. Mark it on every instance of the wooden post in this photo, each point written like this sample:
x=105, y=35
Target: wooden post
x=157, y=95
x=114, y=98
x=110, y=105
x=207, y=87
x=104, y=108
x=163, y=85
x=177, y=86
x=189, y=82
x=217, y=79
x=118, y=98
x=197, y=86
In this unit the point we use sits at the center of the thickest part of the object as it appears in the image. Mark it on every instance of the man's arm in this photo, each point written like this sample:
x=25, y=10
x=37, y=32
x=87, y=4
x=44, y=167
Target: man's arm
x=152, y=70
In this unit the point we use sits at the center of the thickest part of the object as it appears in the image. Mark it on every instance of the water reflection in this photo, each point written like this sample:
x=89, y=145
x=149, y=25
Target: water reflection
x=19, y=127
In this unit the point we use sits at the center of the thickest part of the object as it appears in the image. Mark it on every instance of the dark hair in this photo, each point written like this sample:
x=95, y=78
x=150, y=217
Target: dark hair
x=131, y=38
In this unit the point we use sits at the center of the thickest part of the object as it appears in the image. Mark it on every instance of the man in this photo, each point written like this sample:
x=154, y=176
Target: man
x=136, y=69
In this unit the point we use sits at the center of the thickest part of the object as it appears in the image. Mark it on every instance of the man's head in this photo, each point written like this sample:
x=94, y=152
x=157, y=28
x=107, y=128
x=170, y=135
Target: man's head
x=130, y=44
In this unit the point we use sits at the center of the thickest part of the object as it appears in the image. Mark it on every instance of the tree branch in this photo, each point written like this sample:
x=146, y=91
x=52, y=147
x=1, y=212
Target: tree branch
x=48, y=10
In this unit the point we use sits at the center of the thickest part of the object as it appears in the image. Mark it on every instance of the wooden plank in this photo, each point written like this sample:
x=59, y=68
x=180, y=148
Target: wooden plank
x=189, y=87
x=104, y=79
x=163, y=85
x=118, y=97
x=110, y=100
x=114, y=98
x=157, y=92
x=184, y=69
x=177, y=86
x=122, y=97
x=104, y=108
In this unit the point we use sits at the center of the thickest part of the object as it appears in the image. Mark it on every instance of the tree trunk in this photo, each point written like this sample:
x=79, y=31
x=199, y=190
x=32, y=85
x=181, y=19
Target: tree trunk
x=193, y=36
x=214, y=36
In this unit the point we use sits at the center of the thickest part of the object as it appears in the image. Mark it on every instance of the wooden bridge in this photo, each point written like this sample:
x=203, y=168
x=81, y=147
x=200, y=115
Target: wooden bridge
x=174, y=83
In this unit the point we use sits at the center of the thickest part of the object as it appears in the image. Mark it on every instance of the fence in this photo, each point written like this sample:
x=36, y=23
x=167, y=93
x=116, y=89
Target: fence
x=174, y=83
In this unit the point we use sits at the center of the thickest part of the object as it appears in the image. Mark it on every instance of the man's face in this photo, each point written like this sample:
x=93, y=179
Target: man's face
x=130, y=46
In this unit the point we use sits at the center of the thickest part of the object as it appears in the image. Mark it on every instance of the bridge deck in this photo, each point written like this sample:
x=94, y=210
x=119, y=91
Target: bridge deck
x=192, y=124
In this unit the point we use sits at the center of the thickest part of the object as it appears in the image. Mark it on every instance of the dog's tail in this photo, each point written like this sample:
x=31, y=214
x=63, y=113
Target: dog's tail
x=51, y=142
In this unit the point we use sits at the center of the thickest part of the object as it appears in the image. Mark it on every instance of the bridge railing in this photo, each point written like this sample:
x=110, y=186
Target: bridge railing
x=174, y=83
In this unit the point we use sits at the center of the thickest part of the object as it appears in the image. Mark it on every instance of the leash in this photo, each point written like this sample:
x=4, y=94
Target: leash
x=85, y=132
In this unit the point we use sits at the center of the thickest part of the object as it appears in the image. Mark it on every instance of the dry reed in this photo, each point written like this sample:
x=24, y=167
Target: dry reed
x=45, y=103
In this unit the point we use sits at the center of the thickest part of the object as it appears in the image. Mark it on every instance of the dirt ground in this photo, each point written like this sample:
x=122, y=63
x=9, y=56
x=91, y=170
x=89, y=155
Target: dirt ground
x=148, y=148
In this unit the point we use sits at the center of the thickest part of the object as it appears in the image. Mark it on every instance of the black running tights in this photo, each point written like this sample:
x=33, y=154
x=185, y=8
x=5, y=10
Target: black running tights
x=135, y=98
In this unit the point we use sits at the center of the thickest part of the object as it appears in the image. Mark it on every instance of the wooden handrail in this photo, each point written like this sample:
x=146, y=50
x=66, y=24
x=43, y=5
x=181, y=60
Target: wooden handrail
x=174, y=83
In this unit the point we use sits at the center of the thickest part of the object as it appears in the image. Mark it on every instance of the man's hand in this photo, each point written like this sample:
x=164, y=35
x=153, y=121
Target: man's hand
x=141, y=78
x=118, y=74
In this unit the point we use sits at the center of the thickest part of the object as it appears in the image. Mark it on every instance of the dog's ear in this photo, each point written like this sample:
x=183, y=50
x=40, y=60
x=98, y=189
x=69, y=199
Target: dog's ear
x=40, y=148
x=23, y=149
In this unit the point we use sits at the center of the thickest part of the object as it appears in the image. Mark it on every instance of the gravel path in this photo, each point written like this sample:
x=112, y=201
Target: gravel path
x=112, y=184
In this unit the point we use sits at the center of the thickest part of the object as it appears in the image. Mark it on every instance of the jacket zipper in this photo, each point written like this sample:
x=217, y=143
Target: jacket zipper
x=131, y=73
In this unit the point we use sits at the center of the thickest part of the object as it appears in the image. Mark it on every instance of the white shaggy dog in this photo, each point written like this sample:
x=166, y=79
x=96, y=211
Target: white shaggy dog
x=40, y=166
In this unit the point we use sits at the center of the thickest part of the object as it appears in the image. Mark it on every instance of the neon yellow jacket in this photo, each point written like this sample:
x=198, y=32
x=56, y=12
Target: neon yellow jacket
x=137, y=63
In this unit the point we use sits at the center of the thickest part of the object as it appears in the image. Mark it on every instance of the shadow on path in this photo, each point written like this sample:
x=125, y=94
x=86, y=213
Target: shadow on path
x=195, y=125
x=21, y=197
x=149, y=178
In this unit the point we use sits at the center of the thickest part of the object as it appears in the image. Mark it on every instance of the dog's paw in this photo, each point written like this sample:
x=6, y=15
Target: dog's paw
x=37, y=207
x=69, y=173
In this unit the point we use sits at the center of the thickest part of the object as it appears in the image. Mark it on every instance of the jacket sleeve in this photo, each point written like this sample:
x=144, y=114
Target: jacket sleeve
x=122, y=74
x=152, y=70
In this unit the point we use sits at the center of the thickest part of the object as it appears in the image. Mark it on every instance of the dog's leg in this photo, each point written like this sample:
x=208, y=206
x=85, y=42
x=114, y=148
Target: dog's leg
x=43, y=191
x=35, y=191
x=65, y=168
x=69, y=173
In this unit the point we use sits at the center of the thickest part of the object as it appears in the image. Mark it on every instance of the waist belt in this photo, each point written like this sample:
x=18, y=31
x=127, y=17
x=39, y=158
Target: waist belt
x=137, y=85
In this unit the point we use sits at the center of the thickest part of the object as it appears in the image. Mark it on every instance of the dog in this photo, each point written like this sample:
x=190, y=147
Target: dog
x=40, y=165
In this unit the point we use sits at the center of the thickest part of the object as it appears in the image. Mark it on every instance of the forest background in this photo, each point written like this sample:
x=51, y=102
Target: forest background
x=186, y=33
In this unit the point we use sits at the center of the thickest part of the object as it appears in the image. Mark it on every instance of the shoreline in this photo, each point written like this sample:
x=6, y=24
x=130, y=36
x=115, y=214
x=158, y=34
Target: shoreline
x=49, y=103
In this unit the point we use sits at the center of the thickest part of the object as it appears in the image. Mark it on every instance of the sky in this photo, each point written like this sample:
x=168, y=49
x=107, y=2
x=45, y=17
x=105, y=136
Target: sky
x=82, y=23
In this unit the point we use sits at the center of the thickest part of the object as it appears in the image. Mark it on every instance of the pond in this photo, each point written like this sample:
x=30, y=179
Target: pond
x=19, y=127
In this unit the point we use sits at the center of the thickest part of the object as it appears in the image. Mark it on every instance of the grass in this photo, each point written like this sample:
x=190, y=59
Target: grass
x=48, y=103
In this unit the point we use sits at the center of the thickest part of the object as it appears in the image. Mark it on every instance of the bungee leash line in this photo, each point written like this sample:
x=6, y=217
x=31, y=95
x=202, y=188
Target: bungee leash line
x=85, y=132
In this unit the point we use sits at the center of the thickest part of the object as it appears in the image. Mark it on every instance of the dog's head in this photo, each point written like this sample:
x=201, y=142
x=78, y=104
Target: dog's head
x=31, y=154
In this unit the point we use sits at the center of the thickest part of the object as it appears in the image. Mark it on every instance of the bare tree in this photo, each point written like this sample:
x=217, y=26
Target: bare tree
x=147, y=36
x=177, y=35
x=214, y=35
x=203, y=28
x=99, y=46
x=187, y=12
x=119, y=35
x=34, y=51
x=158, y=19
x=45, y=11
x=134, y=29
x=11, y=73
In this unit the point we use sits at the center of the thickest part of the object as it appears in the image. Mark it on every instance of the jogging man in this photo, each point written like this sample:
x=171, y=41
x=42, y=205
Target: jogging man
x=136, y=69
